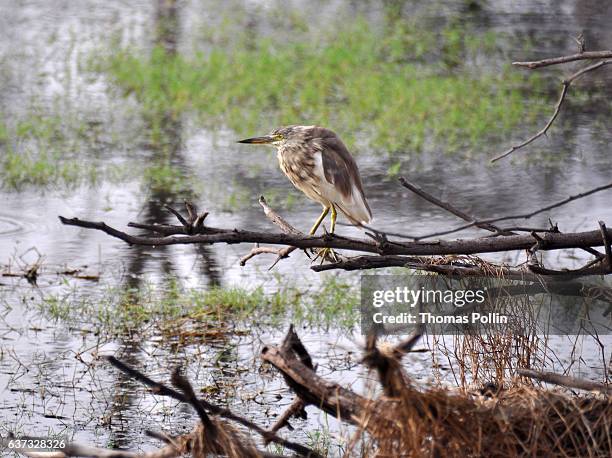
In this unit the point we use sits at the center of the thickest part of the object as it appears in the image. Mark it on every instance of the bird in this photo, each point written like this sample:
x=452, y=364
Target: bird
x=318, y=163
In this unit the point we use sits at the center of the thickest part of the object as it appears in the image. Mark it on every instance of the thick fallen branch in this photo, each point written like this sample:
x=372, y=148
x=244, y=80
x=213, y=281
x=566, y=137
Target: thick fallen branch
x=206, y=406
x=405, y=421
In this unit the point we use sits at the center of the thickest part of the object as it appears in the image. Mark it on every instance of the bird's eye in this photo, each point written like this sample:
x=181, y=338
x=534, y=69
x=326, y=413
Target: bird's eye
x=278, y=137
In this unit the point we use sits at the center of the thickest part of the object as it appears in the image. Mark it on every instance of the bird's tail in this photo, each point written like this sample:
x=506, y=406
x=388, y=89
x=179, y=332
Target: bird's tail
x=357, y=210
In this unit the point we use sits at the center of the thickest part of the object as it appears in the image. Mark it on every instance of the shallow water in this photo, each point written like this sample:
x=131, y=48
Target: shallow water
x=50, y=378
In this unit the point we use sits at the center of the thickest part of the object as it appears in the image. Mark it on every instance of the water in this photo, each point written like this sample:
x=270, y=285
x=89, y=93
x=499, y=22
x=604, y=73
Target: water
x=51, y=377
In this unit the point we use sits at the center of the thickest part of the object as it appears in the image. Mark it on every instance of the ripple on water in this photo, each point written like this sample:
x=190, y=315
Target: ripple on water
x=10, y=226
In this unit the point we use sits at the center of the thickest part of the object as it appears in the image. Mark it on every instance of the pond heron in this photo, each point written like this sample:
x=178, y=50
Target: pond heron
x=317, y=163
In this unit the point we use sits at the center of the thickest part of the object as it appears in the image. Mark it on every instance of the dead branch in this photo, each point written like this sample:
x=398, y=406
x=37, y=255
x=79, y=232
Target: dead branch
x=497, y=231
x=564, y=88
x=586, y=55
x=606, y=241
x=519, y=216
x=405, y=421
x=163, y=390
x=450, y=208
x=549, y=241
x=564, y=380
x=284, y=226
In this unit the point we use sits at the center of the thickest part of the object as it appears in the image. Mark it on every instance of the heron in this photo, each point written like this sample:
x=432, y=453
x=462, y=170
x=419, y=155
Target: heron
x=318, y=163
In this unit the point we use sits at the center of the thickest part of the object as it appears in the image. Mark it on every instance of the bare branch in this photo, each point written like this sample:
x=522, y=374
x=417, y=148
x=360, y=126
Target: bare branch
x=587, y=55
x=450, y=208
x=163, y=390
x=565, y=86
x=551, y=241
x=277, y=219
x=522, y=215
x=563, y=380
x=606, y=241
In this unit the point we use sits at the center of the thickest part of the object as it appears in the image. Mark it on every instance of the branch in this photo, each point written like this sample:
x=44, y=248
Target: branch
x=550, y=241
x=565, y=86
x=450, y=208
x=606, y=241
x=284, y=226
x=163, y=390
x=587, y=55
x=520, y=216
x=563, y=380
x=277, y=219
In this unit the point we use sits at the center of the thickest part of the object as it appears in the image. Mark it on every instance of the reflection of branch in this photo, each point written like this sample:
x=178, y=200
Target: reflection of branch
x=565, y=86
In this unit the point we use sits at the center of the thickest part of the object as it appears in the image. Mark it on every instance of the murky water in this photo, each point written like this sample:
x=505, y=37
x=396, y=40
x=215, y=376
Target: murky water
x=42, y=44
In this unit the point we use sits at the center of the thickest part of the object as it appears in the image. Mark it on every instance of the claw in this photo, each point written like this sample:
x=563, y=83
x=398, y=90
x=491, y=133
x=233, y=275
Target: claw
x=326, y=254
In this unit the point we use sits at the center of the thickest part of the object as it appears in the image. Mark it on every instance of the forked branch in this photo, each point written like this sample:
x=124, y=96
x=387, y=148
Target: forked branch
x=566, y=83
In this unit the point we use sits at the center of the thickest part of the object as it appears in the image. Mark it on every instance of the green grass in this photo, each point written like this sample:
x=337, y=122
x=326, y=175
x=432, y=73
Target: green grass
x=399, y=88
x=36, y=150
x=19, y=169
x=334, y=304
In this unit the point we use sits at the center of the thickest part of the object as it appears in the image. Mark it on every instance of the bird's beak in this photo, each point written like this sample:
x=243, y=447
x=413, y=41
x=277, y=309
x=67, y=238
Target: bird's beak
x=258, y=140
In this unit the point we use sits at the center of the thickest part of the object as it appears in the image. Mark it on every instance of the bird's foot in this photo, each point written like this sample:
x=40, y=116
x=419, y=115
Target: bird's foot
x=326, y=254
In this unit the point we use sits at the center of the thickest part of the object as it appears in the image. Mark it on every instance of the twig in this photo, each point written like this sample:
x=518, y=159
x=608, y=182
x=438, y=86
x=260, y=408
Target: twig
x=284, y=226
x=564, y=380
x=522, y=215
x=587, y=55
x=295, y=409
x=497, y=231
x=606, y=241
x=277, y=219
x=179, y=381
x=450, y=208
x=565, y=86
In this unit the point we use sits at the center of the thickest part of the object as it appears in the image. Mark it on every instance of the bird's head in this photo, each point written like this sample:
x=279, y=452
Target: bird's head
x=283, y=135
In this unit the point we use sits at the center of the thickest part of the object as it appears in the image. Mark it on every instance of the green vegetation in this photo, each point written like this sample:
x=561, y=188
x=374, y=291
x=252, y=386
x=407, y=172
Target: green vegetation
x=34, y=152
x=398, y=88
x=114, y=311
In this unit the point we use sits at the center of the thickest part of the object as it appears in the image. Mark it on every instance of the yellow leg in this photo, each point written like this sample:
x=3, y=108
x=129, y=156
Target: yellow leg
x=334, y=215
x=320, y=220
x=327, y=253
